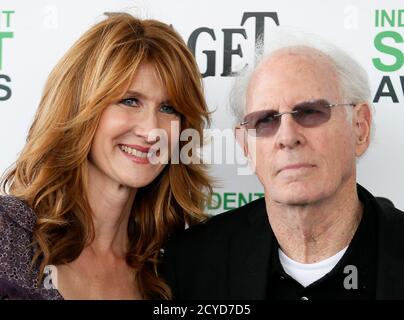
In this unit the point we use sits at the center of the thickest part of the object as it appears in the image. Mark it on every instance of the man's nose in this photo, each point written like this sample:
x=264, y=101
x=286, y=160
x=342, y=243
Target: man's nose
x=289, y=134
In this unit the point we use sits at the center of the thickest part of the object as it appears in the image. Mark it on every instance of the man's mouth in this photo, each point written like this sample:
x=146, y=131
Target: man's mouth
x=296, y=166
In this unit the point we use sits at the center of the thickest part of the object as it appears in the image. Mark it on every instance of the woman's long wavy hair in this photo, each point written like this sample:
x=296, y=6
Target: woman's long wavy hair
x=51, y=172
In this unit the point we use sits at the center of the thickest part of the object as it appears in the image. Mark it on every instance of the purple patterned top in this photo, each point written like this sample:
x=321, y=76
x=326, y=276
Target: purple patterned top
x=18, y=280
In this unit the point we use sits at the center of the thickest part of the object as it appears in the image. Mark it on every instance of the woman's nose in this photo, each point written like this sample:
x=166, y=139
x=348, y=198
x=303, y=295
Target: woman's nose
x=145, y=124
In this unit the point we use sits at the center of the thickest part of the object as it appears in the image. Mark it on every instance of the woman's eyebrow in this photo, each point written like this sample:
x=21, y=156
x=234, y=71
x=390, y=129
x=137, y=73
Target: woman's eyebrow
x=137, y=94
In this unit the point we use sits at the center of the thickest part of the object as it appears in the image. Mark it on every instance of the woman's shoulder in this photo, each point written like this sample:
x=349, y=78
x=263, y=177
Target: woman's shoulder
x=16, y=211
x=17, y=221
x=11, y=291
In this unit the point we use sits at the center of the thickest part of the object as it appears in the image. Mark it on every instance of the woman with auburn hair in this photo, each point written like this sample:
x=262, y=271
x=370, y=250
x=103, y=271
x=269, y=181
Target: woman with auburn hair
x=85, y=212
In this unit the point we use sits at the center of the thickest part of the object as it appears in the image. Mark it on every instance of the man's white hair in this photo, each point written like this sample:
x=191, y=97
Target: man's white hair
x=354, y=82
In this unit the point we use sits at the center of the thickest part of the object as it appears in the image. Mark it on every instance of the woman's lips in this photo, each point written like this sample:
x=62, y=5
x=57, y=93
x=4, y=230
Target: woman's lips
x=137, y=147
x=135, y=153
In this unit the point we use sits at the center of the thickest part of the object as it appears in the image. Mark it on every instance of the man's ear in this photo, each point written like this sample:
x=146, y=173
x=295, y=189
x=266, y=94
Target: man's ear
x=240, y=135
x=362, y=124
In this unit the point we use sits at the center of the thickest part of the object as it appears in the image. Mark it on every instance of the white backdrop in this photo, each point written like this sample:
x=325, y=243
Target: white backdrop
x=36, y=34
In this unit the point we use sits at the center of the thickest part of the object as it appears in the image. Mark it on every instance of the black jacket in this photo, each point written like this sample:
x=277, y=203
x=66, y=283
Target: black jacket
x=228, y=256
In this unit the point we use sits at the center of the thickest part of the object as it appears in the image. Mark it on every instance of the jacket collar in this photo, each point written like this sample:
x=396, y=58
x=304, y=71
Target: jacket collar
x=249, y=256
x=390, y=249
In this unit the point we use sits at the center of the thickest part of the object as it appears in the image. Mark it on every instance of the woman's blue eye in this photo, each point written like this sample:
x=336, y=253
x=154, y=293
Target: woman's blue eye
x=130, y=102
x=167, y=109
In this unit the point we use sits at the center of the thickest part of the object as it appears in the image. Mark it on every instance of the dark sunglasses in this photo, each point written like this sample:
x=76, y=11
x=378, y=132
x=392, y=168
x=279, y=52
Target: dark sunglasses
x=308, y=114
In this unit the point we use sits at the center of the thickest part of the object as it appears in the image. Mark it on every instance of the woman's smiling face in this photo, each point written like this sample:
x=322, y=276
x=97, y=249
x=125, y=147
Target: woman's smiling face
x=122, y=144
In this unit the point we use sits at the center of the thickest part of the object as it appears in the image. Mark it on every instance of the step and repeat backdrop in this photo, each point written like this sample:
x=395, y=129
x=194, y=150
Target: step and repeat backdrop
x=35, y=34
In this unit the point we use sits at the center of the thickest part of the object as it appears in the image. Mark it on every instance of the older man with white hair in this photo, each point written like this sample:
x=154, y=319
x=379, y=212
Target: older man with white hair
x=304, y=118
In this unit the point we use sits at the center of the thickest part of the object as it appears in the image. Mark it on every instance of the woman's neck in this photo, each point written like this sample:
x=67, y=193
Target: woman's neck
x=111, y=204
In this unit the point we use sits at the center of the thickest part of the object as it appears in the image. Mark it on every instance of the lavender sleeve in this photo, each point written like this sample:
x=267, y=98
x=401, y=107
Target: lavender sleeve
x=18, y=277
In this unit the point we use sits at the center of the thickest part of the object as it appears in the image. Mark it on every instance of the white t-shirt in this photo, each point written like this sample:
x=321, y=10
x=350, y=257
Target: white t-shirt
x=307, y=273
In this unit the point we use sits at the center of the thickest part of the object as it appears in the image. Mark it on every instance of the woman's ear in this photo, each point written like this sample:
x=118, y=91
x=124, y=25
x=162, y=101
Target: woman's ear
x=362, y=123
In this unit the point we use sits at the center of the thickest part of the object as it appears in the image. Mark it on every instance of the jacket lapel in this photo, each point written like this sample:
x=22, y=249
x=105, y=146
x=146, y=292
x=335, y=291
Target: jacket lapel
x=390, y=248
x=249, y=257
x=390, y=280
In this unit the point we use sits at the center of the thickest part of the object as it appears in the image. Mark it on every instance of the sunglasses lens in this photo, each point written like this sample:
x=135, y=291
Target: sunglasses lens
x=307, y=114
x=312, y=114
x=265, y=123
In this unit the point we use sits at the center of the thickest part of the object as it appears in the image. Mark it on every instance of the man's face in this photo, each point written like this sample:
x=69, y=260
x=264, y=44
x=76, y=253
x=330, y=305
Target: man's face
x=301, y=165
